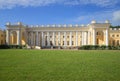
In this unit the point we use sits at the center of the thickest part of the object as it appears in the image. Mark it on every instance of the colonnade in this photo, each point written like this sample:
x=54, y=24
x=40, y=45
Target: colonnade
x=45, y=38
x=76, y=38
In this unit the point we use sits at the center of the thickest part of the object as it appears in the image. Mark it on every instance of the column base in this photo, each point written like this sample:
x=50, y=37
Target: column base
x=37, y=47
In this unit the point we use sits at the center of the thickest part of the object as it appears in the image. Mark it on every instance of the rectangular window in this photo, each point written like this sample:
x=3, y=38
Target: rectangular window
x=50, y=36
x=67, y=42
x=55, y=43
x=1, y=41
x=72, y=42
x=46, y=37
x=118, y=42
x=97, y=41
x=45, y=43
x=63, y=42
x=113, y=43
x=51, y=43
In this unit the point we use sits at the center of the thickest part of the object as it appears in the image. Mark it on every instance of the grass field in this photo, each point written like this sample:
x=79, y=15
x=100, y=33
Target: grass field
x=59, y=65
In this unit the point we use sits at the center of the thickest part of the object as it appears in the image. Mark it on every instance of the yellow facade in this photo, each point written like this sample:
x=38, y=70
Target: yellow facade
x=2, y=37
x=62, y=35
x=114, y=36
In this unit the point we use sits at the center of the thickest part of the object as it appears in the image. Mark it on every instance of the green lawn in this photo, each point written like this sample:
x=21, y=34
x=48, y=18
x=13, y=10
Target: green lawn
x=59, y=65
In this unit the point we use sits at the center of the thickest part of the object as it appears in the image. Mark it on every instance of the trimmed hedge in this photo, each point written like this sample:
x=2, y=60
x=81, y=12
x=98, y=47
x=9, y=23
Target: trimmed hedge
x=85, y=47
x=12, y=46
x=97, y=47
x=4, y=47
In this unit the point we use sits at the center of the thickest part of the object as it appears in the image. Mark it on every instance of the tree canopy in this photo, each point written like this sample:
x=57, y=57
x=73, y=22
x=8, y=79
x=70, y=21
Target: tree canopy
x=114, y=26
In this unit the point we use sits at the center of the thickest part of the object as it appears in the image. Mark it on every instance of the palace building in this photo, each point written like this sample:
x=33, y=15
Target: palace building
x=45, y=36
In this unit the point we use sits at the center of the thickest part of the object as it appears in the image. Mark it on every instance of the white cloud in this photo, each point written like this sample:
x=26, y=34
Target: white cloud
x=113, y=16
x=98, y=16
x=116, y=15
x=102, y=3
x=13, y=3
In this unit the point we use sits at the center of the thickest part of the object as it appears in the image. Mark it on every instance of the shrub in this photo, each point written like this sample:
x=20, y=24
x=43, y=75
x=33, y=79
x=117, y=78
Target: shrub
x=118, y=47
x=97, y=47
x=4, y=47
x=90, y=47
x=12, y=46
x=103, y=47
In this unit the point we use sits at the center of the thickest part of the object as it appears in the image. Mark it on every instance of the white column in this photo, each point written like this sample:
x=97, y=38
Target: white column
x=64, y=38
x=94, y=37
x=18, y=37
x=28, y=38
x=8, y=37
x=53, y=37
x=70, y=38
x=107, y=37
x=59, y=43
x=76, y=38
x=43, y=42
x=32, y=38
x=36, y=38
x=82, y=38
x=88, y=38
x=48, y=39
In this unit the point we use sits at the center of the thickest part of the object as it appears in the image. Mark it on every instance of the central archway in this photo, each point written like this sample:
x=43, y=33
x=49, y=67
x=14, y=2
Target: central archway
x=13, y=38
x=100, y=38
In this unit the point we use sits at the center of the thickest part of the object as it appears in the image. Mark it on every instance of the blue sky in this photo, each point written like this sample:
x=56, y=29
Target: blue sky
x=38, y=12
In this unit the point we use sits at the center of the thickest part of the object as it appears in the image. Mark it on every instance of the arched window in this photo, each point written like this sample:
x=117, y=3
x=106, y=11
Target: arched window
x=97, y=41
x=113, y=43
x=13, y=37
x=118, y=43
x=97, y=33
